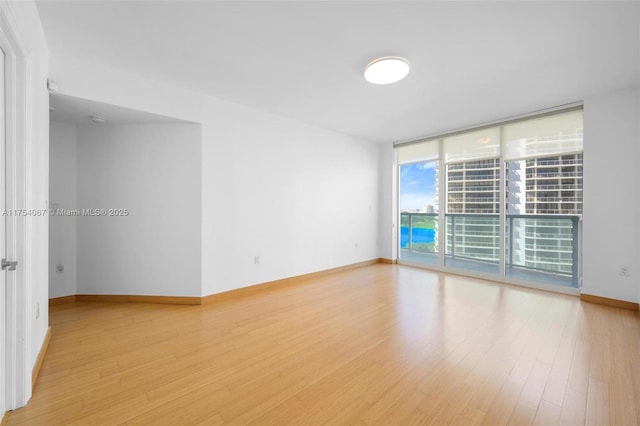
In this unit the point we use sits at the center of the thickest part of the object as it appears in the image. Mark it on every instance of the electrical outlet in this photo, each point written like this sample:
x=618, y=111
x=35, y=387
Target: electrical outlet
x=624, y=271
x=60, y=268
x=256, y=260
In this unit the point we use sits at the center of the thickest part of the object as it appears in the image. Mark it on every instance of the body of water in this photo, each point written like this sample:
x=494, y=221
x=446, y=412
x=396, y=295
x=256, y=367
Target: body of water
x=420, y=235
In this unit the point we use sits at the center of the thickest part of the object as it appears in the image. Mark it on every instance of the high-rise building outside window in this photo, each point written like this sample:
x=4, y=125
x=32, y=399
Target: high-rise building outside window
x=531, y=168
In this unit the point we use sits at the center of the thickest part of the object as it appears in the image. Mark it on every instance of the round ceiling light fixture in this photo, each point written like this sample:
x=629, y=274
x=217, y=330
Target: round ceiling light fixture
x=97, y=119
x=386, y=70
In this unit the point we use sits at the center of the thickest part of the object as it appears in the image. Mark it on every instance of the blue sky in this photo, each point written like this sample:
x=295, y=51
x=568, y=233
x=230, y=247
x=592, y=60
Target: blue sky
x=417, y=185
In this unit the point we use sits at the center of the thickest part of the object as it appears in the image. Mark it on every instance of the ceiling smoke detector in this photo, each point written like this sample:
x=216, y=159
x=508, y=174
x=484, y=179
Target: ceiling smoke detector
x=97, y=119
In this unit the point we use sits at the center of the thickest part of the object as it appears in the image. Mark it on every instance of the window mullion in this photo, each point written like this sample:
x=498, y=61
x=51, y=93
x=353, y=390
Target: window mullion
x=442, y=204
x=502, y=209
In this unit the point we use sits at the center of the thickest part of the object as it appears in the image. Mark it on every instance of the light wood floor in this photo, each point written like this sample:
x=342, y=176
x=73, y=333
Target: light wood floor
x=380, y=344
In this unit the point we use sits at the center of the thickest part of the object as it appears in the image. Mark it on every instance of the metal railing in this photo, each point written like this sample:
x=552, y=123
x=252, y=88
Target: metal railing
x=419, y=232
x=545, y=243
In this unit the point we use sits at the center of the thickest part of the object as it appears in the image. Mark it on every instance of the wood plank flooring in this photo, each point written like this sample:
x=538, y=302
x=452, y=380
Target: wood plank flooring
x=382, y=344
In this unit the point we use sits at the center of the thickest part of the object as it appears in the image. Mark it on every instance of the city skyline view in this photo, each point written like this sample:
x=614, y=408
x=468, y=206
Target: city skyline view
x=545, y=189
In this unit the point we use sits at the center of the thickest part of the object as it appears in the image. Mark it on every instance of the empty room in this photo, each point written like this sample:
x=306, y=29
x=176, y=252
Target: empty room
x=320, y=212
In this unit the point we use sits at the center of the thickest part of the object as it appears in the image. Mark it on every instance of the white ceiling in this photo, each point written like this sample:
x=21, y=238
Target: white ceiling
x=471, y=62
x=68, y=109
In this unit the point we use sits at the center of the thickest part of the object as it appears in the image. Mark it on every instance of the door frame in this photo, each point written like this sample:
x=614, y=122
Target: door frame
x=16, y=365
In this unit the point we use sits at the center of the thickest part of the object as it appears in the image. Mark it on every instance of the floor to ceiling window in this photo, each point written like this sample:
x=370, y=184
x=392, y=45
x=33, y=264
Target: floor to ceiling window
x=503, y=200
x=418, y=201
x=472, y=176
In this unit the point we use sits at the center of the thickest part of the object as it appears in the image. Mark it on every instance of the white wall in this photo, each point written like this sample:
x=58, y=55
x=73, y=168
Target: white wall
x=387, y=233
x=153, y=170
x=611, y=194
x=62, y=195
x=37, y=182
x=86, y=80
x=301, y=198
x=297, y=196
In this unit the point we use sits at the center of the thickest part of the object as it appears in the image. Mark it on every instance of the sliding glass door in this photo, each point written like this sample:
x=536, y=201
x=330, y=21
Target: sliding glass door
x=543, y=160
x=503, y=201
x=419, y=212
x=418, y=196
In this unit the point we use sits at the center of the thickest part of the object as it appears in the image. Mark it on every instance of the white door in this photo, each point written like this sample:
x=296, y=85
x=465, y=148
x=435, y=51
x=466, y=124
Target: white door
x=3, y=221
x=15, y=136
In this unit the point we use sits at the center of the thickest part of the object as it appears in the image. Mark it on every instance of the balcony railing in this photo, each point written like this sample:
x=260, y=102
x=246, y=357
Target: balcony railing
x=547, y=244
x=419, y=232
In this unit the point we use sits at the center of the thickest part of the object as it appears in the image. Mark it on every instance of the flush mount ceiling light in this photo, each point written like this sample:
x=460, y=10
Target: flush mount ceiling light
x=386, y=70
x=97, y=119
